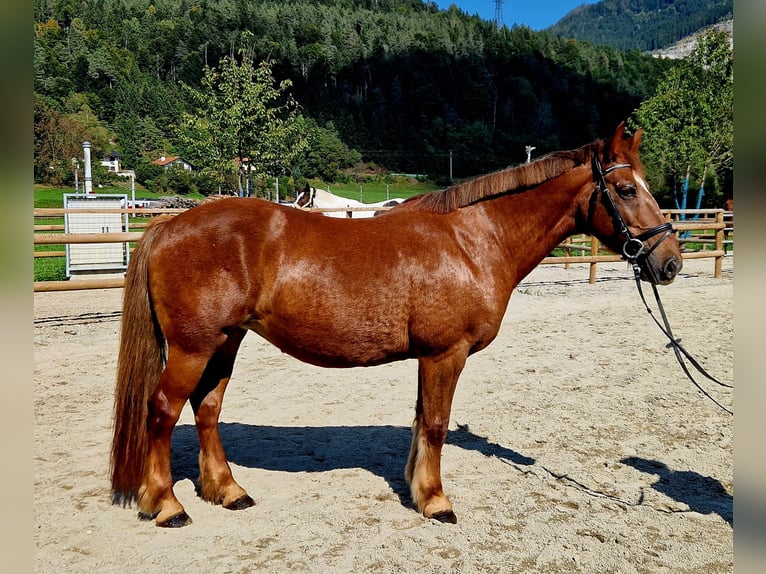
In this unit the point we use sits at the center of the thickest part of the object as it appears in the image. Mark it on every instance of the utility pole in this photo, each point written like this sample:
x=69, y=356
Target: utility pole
x=76, y=166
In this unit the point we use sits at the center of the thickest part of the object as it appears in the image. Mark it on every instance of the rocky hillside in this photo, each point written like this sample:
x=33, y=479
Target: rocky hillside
x=683, y=47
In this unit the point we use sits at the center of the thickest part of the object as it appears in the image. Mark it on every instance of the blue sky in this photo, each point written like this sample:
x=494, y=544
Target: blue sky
x=535, y=14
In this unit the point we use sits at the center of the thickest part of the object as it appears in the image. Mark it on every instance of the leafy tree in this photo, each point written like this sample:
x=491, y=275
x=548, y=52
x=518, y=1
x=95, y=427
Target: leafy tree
x=326, y=155
x=689, y=121
x=59, y=134
x=146, y=171
x=244, y=123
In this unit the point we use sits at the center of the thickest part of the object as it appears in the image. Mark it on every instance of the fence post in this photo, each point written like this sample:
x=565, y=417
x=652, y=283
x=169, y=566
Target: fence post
x=594, y=253
x=719, y=244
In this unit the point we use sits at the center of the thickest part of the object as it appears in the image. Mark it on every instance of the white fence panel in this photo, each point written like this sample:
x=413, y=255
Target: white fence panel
x=99, y=258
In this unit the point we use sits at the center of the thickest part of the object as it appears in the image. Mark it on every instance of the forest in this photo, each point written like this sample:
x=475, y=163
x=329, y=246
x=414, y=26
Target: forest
x=398, y=83
x=644, y=25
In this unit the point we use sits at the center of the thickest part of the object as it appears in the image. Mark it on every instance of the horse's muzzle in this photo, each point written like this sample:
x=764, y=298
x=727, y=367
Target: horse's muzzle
x=660, y=273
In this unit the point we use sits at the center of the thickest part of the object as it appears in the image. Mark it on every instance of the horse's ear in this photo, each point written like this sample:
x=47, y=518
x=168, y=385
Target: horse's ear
x=620, y=141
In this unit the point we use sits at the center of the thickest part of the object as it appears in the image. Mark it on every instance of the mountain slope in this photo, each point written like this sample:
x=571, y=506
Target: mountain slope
x=686, y=45
x=644, y=25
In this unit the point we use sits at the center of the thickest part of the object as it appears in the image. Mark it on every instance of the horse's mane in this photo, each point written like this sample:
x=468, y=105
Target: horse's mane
x=505, y=181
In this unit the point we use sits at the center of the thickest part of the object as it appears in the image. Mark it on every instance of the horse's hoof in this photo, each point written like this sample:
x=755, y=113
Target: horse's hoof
x=445, y=516
x=177, y=521
x=241, y=503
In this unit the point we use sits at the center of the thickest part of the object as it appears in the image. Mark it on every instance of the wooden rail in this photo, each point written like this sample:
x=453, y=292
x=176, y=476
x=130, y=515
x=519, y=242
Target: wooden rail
x=79, y=284
x=715, y=220
x=60, y=226
x=61, y=238
x=59, y=211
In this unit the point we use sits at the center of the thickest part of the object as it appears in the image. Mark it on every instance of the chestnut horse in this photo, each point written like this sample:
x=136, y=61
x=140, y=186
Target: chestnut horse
x=429, y=280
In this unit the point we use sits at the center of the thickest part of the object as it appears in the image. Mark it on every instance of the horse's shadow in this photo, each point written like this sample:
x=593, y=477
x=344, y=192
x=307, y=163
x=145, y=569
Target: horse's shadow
x=702, y=494
x=381, y=450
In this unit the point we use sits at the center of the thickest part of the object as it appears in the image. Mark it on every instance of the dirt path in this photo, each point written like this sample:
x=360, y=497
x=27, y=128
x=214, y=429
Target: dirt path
x=576, y=445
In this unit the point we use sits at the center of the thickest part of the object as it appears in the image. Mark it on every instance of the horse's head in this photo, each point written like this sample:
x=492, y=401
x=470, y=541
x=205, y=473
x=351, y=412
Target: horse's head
x=623, y=214
x=306, y=197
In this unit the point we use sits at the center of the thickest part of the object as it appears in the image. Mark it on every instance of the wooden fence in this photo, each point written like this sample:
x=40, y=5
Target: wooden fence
x=703, y=233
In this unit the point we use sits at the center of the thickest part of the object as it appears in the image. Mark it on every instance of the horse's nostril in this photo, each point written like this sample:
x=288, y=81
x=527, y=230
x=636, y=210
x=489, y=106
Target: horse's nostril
x=671, y=268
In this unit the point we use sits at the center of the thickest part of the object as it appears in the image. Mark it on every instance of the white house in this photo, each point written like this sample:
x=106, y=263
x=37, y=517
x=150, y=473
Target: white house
x=173, y=161
x=112, y=162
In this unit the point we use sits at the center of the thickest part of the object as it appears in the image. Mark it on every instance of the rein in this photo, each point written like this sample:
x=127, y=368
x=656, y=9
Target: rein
x=676, y=343
x=634, y=251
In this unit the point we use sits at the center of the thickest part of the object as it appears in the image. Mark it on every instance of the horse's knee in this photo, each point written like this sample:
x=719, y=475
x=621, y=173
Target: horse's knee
x=206, y=414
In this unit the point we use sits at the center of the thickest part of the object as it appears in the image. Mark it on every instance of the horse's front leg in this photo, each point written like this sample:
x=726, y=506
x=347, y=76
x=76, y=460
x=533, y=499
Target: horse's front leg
x=437, y=378
x=216, y=483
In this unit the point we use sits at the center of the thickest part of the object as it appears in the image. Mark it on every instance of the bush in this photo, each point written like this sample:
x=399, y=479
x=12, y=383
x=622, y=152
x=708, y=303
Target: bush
x=146, y=171
x=206, y=183
x=180, y=181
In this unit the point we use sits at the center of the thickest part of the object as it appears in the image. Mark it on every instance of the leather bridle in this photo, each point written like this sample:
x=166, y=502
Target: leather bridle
x=634, y=248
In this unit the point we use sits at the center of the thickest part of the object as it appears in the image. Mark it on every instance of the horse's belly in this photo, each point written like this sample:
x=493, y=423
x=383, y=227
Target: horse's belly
x=331, y=346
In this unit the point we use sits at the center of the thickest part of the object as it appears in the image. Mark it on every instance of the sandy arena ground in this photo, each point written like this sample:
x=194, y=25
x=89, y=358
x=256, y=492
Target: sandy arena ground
x=576, y=445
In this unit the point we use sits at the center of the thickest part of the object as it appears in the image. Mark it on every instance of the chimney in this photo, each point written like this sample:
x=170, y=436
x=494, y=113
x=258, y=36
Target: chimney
x=88, y=176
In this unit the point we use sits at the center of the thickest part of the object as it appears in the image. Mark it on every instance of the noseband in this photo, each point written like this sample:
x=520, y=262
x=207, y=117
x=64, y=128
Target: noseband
x=634, y=248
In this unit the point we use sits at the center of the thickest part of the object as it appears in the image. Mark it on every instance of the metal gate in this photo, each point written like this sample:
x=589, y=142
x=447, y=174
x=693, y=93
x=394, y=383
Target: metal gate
x=95, y=258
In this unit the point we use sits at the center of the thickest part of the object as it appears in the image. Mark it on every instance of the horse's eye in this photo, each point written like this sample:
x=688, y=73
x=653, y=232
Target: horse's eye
x=626, y=190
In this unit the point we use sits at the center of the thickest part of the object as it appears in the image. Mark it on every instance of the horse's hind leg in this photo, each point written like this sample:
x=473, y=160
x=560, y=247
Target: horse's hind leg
x=216, y=483
x=155, y=495
x=437, y=378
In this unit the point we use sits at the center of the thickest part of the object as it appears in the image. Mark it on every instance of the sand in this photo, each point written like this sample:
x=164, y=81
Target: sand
x=576, y=445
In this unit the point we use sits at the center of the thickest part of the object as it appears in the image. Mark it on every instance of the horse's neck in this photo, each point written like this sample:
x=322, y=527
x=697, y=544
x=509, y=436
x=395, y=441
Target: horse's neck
x=532, y=223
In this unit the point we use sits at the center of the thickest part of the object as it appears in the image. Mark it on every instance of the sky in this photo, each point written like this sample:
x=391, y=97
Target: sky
x=535, y=14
